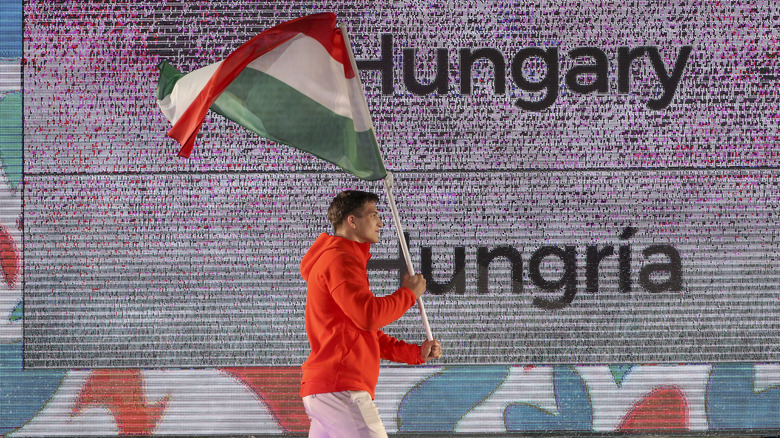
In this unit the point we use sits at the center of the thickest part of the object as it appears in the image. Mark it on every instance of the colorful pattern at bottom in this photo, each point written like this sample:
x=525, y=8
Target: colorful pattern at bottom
x=460, y=399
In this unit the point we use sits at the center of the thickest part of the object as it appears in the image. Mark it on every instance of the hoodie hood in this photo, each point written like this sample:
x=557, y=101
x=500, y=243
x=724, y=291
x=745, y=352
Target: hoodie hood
x=326, y=243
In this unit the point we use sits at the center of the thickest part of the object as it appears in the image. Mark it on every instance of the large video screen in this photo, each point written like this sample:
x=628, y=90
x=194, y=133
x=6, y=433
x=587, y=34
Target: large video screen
x=579, y=184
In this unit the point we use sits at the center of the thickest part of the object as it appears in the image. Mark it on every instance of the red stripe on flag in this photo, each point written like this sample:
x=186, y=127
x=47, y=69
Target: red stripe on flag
x=339, y=52
x=321, y=27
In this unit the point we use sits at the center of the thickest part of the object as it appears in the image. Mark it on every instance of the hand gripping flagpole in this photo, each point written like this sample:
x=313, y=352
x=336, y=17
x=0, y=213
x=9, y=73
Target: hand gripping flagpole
x=389, y=183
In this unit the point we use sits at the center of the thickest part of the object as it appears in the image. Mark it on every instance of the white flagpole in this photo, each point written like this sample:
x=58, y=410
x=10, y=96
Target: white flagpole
x=388, y=183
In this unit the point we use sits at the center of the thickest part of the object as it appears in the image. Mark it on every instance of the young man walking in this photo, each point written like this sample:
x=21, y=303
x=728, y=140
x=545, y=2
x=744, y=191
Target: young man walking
x=344, y=321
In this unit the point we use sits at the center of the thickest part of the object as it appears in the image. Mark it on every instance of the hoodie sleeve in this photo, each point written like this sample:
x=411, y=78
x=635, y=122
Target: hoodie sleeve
x=350, y=290
x=394, y=350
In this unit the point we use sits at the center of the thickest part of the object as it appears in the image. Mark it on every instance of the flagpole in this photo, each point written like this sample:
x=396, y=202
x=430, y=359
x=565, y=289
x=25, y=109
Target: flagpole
x=389, y=183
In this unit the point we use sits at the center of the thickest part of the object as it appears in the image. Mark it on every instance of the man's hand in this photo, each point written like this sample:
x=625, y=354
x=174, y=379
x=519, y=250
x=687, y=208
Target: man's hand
x=416, y=283
x=430, y=350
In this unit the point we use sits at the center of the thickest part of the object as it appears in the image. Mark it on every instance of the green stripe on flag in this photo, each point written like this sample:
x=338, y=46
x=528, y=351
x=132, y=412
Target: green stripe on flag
x=168, y=78
x=273, y=109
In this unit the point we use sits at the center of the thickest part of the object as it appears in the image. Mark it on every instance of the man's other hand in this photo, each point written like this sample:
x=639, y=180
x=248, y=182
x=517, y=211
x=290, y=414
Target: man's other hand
x=430, y=350
x=416, y=283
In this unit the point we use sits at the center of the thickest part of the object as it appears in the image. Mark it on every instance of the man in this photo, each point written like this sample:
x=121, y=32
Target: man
x=344, y=321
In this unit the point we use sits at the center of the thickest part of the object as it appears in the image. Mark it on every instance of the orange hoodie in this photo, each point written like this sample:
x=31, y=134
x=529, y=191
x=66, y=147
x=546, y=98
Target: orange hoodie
x=343, y=319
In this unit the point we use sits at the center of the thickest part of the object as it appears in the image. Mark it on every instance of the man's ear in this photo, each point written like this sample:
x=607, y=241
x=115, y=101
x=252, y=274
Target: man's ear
x=351, y=221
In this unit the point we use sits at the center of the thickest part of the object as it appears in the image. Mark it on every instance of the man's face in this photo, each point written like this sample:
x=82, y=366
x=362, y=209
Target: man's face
x=367, y=224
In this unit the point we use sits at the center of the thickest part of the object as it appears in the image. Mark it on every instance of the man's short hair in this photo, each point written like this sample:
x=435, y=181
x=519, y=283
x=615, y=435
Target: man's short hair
x=348, y=202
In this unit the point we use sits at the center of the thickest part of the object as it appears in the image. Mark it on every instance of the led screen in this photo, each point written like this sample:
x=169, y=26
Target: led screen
x=579, y=184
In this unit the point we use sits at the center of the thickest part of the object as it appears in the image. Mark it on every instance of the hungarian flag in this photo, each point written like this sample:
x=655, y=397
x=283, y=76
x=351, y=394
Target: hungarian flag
x=294, y=84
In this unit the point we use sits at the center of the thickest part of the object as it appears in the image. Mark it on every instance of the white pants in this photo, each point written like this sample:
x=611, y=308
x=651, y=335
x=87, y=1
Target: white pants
x=345, y=414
